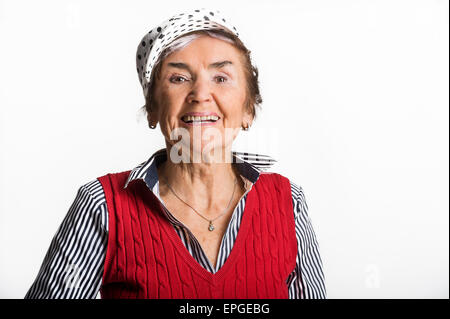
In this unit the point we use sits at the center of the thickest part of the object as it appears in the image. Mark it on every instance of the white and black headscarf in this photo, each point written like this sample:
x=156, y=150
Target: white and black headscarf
x=155, y=41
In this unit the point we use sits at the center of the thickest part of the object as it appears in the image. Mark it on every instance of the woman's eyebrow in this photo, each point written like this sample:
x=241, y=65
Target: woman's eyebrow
x=220, y=64
x=216, y=65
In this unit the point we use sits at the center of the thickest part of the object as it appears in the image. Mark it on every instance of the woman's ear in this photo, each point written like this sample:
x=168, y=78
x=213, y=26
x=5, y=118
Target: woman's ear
x=151, y=107
x=247, y=119
x=152, y=116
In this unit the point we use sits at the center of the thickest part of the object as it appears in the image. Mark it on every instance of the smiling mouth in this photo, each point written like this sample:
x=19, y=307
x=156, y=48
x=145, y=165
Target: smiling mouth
x=200, y=119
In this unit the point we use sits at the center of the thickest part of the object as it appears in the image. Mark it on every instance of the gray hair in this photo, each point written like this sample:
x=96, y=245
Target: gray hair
x=183, y=41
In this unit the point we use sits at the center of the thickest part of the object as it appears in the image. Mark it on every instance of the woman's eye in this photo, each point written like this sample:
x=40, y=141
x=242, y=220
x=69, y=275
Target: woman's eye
x=177, y=79
x=221, y=79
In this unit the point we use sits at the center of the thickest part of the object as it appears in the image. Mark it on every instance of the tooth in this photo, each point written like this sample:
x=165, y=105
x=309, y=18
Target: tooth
x=203, y=118
x=196, y=118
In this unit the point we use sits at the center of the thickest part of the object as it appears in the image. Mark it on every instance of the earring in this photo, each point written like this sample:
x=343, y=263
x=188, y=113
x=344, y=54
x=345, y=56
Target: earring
x=152, y=126
x=245, y=128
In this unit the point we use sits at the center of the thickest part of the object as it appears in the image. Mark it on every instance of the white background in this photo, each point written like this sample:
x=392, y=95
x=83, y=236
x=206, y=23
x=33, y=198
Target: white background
x=355, y=111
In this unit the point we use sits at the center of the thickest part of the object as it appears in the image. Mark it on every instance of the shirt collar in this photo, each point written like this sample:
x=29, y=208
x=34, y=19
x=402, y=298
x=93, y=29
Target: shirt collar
x=249, y=165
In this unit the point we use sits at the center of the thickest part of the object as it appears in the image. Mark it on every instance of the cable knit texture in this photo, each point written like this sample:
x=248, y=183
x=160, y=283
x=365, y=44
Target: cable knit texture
x=146, y=258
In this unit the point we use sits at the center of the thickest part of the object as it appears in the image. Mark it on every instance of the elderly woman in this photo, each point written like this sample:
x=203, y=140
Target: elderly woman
x=196, y=220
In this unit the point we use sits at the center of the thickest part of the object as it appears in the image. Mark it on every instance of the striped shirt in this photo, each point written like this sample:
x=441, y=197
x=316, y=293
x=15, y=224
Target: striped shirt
x=73, y=265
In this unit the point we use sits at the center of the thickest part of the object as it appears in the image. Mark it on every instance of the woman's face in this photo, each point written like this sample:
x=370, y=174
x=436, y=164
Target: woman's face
x=204, y=78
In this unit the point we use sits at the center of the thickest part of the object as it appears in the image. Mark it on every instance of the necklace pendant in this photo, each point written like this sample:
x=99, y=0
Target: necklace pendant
x=211, y=227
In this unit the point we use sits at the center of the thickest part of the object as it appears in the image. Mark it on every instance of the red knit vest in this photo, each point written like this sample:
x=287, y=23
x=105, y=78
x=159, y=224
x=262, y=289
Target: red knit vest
x=146, y=258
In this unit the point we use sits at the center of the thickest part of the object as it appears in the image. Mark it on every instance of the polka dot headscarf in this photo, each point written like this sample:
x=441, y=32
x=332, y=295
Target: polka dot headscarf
x=155, y=41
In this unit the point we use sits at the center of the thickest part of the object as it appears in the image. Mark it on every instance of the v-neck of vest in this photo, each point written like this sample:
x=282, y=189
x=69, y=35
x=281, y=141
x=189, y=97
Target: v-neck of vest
x=235, y=250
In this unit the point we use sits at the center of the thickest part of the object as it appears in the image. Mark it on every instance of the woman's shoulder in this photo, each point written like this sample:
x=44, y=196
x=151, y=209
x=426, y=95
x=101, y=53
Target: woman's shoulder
x=90, y=205
x=276, y=175
x=296, y=189
x=92, y=190
x=120, y=174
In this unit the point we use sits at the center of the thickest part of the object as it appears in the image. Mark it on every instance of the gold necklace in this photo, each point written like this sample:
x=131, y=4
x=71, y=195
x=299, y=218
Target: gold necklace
x=211, y=226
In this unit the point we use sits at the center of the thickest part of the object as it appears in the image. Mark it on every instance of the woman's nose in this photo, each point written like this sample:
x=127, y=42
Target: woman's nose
x=200, y=91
